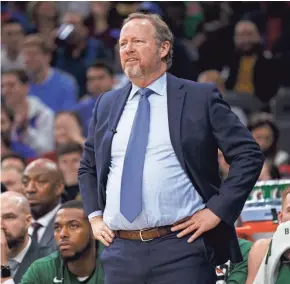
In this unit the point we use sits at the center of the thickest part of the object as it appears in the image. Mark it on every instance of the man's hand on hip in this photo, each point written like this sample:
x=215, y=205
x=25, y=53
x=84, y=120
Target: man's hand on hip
x=202, y=221
x=101, y=231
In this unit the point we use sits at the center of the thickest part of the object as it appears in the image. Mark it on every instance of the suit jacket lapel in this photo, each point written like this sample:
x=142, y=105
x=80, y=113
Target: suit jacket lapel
x=116, y=111
x=175, y=101
x=48, y=234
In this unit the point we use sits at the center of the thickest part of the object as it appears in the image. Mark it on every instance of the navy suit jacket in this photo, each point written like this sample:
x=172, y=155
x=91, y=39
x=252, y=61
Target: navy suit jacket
x=200, y=122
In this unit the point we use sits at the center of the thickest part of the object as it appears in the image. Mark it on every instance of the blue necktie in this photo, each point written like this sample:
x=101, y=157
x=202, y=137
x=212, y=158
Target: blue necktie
x=132, y=176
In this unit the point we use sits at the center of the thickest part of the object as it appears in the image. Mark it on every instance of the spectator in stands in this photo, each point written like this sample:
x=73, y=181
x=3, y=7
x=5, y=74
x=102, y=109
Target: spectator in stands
x=13, y=160
x=266, y=133
x=98, y=23
x=100, y=79
x=251, y=70
x=77, y=51
x=273, y=19
x=81, y=7
x=275, y=250
x=174, y=15
x=269, y=172
x=57, y=89
x=43, y=185
x=77, y=258
x=214, y=76
x=15, y=10
x=18, y=250
x=44, y=17
x=11, y=177
x=12, y=37
x=68, y=128
x=33, y=121
x=213, y=34
x=68, y=157
x=8, y=145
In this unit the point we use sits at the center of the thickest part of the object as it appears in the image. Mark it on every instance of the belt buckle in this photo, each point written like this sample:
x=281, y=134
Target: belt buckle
x=141, y=237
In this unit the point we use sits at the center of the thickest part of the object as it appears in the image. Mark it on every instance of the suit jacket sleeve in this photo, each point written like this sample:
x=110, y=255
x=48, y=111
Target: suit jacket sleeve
x=87, y=174
x=241, y=152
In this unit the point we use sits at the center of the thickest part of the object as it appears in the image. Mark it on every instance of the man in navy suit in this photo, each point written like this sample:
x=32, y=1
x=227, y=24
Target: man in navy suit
x=149, y=175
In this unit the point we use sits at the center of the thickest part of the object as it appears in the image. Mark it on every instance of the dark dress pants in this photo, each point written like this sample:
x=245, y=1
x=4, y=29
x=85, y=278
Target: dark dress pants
x=166, y=260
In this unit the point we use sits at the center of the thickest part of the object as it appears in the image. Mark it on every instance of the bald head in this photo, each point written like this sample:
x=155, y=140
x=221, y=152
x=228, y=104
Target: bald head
x=47, y=166
x=15, y=201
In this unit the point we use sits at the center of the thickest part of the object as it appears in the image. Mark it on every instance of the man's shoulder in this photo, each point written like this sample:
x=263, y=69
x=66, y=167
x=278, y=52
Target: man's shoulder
x=111, y=95
x=260, y=248
x=192, y=85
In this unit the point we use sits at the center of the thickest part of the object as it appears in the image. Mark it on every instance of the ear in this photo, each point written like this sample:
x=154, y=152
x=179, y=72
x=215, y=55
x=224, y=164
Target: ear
x=164, y=49
x=280, y=216
x=48, y=58
x=59, y=189
x=28, y=219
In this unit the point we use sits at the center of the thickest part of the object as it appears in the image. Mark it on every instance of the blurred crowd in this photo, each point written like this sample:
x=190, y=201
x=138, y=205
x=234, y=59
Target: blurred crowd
x=58, y=57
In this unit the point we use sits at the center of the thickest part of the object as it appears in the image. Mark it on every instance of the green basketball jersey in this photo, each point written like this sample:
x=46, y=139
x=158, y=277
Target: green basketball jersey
x=284, y=274
x=51, y=269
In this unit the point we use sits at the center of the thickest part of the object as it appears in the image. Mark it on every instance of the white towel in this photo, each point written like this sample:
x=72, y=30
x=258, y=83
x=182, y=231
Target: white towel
x=269, y=268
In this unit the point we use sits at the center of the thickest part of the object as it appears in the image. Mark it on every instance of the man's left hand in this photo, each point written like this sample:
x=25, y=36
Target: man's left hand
x=200, y=222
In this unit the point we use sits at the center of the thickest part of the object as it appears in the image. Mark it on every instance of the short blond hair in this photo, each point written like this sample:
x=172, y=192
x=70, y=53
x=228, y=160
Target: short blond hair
x=37, y=40
x=284, y=195
x=163, y=33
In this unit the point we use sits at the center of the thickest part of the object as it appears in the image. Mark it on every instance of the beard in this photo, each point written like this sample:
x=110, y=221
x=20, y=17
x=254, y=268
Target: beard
x=78, y=254
x=252, y=49
x=13, y=242
x=134, y=71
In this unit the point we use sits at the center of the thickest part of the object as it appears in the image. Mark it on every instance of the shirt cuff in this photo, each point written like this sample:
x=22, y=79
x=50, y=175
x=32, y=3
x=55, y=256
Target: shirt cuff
x=94, y=214
x=9, y=281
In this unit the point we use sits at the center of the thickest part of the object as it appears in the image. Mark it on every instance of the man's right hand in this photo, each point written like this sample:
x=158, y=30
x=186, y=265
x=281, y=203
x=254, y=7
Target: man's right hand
x=101, y=231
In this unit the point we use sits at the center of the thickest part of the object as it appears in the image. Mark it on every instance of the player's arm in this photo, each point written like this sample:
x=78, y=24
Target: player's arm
x=256, y=256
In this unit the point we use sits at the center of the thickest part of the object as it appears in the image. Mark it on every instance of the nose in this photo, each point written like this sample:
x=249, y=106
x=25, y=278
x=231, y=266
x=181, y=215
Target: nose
x=2, y=225
x=130, y=48
x=30, y=188
x=63, y=233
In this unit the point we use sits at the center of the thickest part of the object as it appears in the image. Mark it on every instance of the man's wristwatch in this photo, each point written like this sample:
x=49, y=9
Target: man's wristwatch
x=5, y=271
